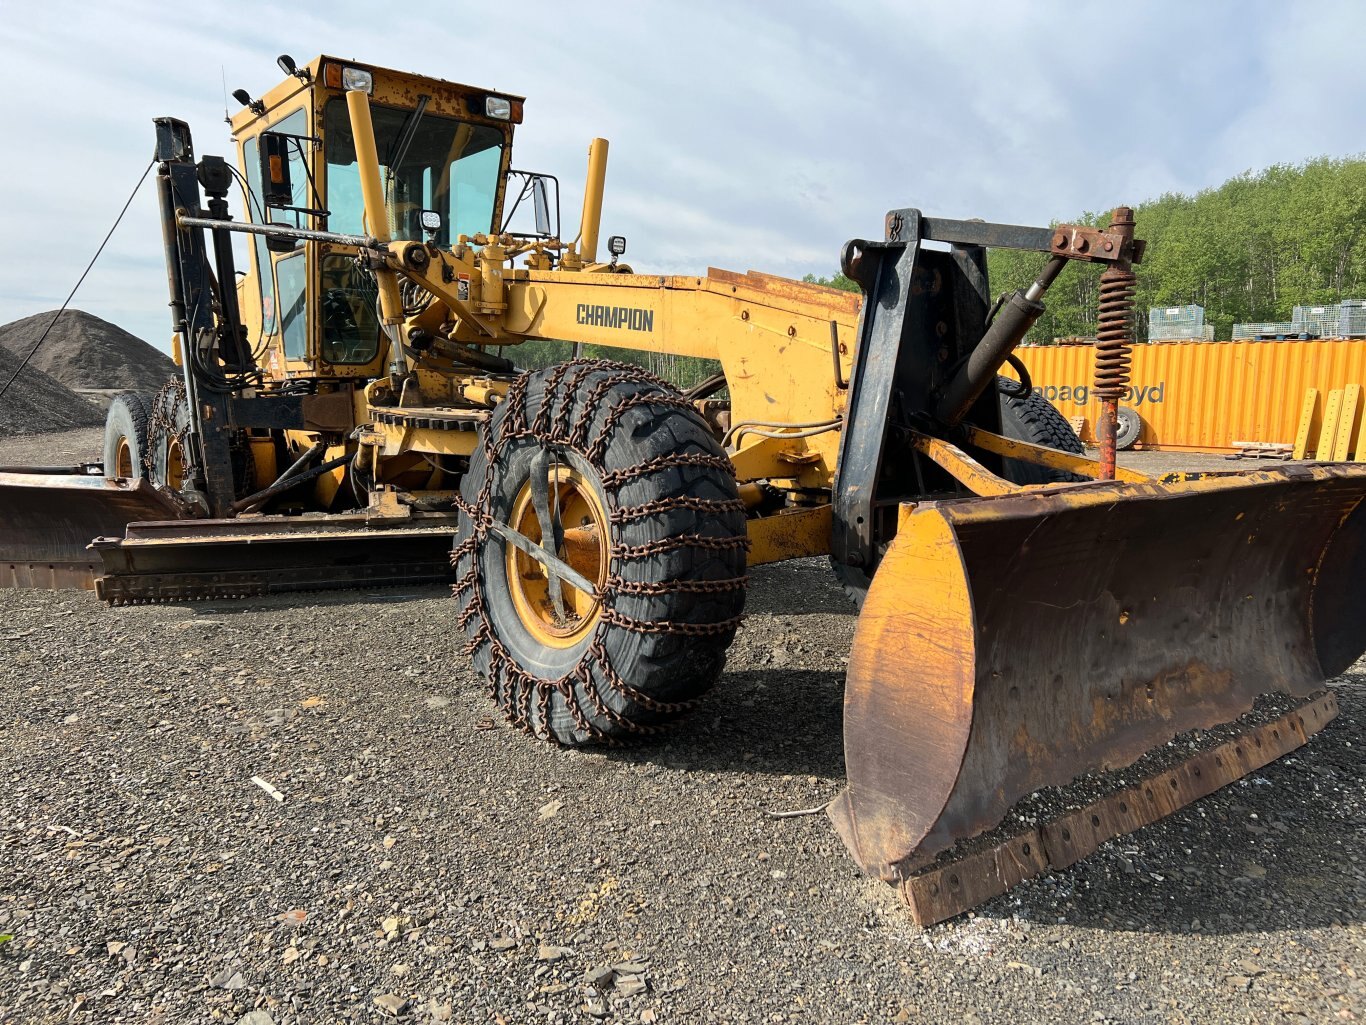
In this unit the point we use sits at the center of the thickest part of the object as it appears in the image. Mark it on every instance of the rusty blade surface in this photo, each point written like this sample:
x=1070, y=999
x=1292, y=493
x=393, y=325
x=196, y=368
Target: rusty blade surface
x=962, y=883
x=1016, y=642
x=193, y=560
x=48, y=520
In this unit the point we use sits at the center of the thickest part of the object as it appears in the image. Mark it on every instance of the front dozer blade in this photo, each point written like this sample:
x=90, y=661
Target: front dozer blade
x=48, y=517
x=1017, y=642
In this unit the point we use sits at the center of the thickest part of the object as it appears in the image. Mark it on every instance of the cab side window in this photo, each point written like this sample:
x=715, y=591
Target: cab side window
x=295, y=124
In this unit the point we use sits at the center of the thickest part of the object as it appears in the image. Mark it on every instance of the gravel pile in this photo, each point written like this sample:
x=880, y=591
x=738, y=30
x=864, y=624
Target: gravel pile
x=304, y=810
x=84, y=352
x=37, y=404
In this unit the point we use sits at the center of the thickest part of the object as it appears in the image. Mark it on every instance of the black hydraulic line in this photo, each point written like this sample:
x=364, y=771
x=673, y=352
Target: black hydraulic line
x=310, y=454
x=707, y=388
x=41, y=338
x=1019, y=389
x=478, y=358
x=840, y=382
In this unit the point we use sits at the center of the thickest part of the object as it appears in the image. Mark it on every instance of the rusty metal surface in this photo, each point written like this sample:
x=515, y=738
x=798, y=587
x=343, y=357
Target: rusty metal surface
x=945, y=890
x=1040, y=455
x=942, y=892
x=192, y=560
x=789, y=534
x=50, y=519
x=1079, y=242
x=1015, y=642
x=788, y=290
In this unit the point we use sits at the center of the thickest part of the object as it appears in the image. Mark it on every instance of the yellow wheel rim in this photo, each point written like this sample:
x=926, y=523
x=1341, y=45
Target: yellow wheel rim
x=123, y=459
x=175, y=465
x=585, y=547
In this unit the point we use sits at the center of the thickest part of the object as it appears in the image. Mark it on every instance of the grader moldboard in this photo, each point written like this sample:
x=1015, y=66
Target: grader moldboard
x=348, y=415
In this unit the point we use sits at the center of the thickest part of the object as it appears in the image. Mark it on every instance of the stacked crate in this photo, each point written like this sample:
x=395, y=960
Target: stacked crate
x=1352, y=318
x=1178, y=323
x=1346, y=319
x=1270, y=331
x=1316, y=321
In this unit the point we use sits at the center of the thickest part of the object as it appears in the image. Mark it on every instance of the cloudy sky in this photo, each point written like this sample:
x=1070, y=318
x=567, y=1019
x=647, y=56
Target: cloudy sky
x=744, y=135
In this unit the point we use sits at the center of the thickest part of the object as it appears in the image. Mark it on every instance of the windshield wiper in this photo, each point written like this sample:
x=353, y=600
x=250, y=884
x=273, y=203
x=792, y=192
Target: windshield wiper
x=406, y=134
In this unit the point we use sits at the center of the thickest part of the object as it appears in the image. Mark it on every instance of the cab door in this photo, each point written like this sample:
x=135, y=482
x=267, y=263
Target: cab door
x=277, y=301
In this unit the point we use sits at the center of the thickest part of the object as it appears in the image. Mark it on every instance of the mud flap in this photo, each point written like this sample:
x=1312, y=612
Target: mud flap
x=47, y=521
x=1016, y=642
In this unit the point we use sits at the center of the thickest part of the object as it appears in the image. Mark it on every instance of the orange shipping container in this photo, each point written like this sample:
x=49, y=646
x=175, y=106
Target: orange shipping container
x=1204, y=396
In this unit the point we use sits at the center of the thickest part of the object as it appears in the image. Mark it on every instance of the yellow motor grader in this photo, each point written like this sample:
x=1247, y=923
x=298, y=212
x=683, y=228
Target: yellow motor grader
x=350, y=413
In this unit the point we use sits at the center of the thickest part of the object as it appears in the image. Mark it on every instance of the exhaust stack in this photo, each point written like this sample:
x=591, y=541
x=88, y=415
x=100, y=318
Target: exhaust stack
x=592, y=201
x=377, y=218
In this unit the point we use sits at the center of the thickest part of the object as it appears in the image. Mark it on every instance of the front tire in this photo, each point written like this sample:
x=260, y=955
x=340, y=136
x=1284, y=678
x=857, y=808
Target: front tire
x=644, y=506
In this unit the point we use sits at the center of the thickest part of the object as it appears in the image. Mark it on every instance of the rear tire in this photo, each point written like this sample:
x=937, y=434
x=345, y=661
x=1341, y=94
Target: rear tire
x=657, y=511
x=125, y=436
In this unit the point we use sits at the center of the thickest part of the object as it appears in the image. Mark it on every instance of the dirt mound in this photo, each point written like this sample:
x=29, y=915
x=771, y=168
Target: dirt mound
x=36, y=404
x=84, y=352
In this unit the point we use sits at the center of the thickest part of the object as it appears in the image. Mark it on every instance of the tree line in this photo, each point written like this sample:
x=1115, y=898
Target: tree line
x=682, y=371
x=1247, y=251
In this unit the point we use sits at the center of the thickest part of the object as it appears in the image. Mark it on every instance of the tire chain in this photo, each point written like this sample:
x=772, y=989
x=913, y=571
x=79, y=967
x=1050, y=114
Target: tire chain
x=510, y=686
x=625, y=514
x=162, y=423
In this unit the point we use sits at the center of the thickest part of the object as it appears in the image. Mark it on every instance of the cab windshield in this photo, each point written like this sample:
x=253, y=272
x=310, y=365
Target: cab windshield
x=427, y=162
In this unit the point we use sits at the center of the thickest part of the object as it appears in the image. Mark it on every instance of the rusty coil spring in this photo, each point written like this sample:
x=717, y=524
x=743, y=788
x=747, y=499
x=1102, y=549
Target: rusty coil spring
x=1115, y=332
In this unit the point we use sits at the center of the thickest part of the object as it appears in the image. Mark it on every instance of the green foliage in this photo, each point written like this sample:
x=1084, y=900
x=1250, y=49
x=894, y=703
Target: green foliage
x=5, y=937
x=838, y=281
x=1291, y=235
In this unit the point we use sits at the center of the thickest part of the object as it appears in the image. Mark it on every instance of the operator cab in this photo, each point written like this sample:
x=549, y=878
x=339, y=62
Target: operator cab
x=444, y=151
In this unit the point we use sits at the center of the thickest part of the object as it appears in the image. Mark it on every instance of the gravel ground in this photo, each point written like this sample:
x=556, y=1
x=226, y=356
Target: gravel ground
x=428, y=862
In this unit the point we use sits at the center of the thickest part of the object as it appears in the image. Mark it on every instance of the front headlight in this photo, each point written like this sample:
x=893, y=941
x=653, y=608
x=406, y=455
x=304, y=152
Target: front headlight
x=499, y=107
x=356, y=80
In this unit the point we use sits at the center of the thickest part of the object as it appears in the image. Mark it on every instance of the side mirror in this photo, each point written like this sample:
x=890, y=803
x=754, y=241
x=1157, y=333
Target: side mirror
x=540, y=198
x=276, y=187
